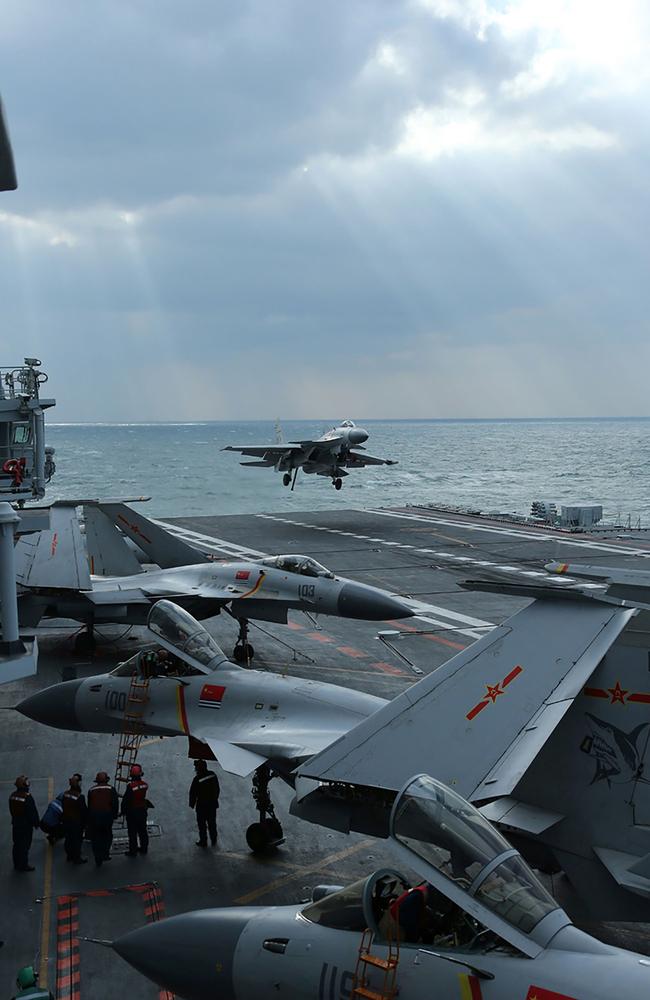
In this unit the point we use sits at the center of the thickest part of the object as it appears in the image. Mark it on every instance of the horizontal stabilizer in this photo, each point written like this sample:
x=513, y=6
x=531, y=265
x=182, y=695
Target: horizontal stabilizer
x=520, y=816
x=108, y=551
x=163, y=548
x=56, y=558
x=509, y=689
x=629, y=870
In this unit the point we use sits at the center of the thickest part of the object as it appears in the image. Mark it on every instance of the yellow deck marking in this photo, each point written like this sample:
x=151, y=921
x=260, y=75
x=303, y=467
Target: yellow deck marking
x=317, y=866
x=47, y=900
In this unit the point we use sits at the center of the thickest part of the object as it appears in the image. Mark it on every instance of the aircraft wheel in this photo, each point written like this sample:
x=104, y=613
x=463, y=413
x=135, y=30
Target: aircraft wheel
x=84, y=642
x=263, y=836
x=338, y=483
x=286, y=479
x=243, y=652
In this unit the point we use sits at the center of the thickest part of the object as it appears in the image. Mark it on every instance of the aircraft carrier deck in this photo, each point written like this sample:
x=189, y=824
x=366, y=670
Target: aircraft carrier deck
x=420, y=552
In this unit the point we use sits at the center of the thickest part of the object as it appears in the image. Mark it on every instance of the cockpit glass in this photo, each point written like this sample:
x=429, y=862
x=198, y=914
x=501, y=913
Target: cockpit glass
x=452, y=836
x=512, y=891
x=178, y=627
x=446, y=831
x=342, y=910
x=302, y=565
x=347, y=423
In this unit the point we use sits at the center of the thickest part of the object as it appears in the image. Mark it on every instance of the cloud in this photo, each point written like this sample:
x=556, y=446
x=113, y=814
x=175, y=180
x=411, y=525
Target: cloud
x=373, y=203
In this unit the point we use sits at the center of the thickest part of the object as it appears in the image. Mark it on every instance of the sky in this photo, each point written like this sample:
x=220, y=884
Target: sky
x=233, y=209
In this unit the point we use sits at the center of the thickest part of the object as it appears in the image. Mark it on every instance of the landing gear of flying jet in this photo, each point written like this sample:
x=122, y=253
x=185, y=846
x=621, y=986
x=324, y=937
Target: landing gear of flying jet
x=267, y=833
x=337, y=483
x=286, y=479
x=243, y=651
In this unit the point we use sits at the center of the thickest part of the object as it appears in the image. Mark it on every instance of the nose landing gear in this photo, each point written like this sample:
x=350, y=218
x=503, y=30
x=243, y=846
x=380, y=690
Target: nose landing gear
x=286, y=479
x=243, y=651
x=267, y=833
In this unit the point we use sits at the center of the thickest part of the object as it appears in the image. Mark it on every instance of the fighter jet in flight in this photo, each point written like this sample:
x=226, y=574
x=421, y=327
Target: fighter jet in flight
x=330, y=455
x=478, y=926
x=54, y=574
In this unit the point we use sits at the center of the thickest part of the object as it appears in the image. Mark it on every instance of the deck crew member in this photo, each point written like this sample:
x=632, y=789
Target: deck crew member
x=24, y=820
x=103, y=809
x=204, y=797
x=134, y=808
x=27, y=983
x=74, y=820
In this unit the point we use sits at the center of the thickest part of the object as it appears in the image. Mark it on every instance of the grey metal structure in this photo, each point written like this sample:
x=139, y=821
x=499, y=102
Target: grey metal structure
x=330, y=455
x=629, y=587
x=8, y=181
x=54, y=573
x=493, y=722
x=489, y=931
x=26, y=464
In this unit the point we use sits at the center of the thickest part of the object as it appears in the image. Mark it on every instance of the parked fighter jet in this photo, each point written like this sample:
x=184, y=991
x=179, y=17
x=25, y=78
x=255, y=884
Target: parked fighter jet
x=525, y=723
x=481, y=927
x=329, y=455
x=53, y=570
x=625, y=586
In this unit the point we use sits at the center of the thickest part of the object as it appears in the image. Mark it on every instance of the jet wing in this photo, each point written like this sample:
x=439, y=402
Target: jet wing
x=266, y=452
x=480, y=719
x=355, y=461
x=108, y=553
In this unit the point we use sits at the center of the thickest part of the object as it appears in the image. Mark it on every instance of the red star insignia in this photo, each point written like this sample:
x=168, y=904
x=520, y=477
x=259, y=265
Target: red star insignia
x=493, y=691
x=617, y=693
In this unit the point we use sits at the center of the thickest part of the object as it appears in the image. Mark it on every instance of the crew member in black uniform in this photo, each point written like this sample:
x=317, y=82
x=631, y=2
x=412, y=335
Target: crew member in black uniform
x=24, y=820
x=103, y=810
x=74, y=820
x=134, y=808
x=204, y=797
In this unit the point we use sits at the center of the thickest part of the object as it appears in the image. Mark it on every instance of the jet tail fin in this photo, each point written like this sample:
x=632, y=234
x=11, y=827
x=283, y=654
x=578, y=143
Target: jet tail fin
x=163, y=548
x=55, y=558
x=108, y=552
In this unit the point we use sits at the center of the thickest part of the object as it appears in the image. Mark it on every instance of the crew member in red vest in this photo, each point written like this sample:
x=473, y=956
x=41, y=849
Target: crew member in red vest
x=134, y=807
x=74, y=820
x=24, y=820
x=103, y=810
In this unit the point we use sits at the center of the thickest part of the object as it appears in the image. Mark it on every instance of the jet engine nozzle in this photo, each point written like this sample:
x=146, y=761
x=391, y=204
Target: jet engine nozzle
x=53, y=706
x=190, y=955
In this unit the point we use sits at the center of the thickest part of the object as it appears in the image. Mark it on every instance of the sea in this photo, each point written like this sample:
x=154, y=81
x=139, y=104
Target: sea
x=488, y=465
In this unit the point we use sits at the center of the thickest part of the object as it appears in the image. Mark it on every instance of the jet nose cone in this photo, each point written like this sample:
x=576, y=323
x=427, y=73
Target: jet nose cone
x=358, y=435
x=359, y=601
x=190, y=955
x=53, y=706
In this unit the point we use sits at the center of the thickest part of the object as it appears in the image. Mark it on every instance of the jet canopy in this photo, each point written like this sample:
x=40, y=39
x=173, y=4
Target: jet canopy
x=302, y=565
x=178, y=632
x=448, y=842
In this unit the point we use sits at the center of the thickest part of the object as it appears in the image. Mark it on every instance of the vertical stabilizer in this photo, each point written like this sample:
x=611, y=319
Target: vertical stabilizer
x=108, y=551
x=55, y=558
x=163, y=548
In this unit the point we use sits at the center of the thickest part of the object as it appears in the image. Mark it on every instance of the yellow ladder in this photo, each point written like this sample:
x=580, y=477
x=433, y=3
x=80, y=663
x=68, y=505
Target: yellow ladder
x=132, y=734
x=388, y=966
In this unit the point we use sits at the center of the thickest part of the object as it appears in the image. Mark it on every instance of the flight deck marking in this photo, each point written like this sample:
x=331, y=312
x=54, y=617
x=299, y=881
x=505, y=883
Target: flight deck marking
x=317, y=866
x=492, y=692
x=513, y=532
x=47, y=900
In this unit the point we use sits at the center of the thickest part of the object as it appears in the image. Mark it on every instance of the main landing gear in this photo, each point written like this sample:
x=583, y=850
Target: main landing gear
x=286, y=479
x=267, y=833
x=84, y=641
x=243, y=651
x=289, y=480
x=337, y=483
